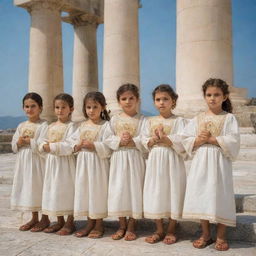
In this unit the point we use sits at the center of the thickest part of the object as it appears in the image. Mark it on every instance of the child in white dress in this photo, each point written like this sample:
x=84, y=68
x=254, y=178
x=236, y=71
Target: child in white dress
x=165, y=178
x=58, y=190
x=29, y=167
x=213, y=138
x=127, y=166
x=92, y=168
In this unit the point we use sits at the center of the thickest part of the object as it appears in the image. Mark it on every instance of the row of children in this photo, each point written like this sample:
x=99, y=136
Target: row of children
x=97, y=168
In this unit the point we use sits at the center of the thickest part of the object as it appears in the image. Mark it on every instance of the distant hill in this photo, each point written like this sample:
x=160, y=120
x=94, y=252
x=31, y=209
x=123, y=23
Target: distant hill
x=10, y=122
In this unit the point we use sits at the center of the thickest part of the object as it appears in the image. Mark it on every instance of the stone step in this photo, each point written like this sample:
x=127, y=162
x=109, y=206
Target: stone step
x=6, y=137
x=248, y=141
x=245, y=203
x=247, y=154
x=5, y=147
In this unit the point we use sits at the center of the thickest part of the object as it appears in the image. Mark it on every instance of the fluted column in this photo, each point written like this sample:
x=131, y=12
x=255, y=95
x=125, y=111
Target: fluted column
x=204, y=48
x=121, y=47
x=45, y=56
x=85, y=63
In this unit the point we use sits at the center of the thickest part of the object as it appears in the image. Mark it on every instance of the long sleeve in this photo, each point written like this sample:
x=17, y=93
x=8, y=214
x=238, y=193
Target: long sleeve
x=176, y=136
x=15, y=138
x=110, y=139
x=102, y=149
x=64, y=147
x=138, y=138
x=230, y=140
x=145, y=134
x=189, y=136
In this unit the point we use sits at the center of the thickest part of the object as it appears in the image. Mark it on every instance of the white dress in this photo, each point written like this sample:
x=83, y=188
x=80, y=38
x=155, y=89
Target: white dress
x=209, y=193
x=92, y=170
x=58, y=190
x=165, y=178
x=29, y=168
x=127, y=168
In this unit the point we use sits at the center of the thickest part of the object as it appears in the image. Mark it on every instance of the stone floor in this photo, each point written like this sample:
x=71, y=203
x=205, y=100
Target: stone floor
x=14, y=242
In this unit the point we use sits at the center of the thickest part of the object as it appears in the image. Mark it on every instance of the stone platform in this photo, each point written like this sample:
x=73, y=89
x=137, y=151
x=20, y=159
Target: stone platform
x=242, y=238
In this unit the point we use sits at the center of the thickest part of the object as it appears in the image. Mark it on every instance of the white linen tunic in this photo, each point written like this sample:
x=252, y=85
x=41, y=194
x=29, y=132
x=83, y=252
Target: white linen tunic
x=29, y=168
x=209, y=193
x=58, y=190
x=92, y=171
x=127, y=167
x=165, y=178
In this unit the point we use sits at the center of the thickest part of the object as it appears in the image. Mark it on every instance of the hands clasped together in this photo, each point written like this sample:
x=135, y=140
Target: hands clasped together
x=159, y=138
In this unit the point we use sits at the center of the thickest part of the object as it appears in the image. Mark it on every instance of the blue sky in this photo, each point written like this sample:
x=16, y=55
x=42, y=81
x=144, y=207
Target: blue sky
x=157, y=50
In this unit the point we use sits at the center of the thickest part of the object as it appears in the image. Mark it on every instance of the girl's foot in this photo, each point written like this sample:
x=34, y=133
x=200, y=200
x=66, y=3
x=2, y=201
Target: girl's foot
x=96, y=233
x=40, y=226
x=130, y=236
x=120, y=233
x=54, y=228
x=67, y=229
x=221, y=245
x=155, y=238
x=28, y=225
x=85, y=231
x=202, y=243
x=170, y=238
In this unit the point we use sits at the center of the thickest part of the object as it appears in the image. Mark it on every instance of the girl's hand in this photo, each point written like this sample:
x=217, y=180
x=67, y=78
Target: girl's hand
x=212, y=140
x=153, y=141
x=26, y=140
x=20, y=142
x=88, y=145
x=46, y=148
x=125, y=139
x=165, y=140
x=202, y=138
x=78, y=147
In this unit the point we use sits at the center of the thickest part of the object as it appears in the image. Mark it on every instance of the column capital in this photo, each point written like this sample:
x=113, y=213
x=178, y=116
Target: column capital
x=53, y=5
x=83, y=19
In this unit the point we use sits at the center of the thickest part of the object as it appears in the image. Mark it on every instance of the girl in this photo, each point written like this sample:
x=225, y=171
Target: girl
x=91, y=183
x=58, y=190
x=29, y=168
x=165, y=179
x=213, y=138
x=127, y=165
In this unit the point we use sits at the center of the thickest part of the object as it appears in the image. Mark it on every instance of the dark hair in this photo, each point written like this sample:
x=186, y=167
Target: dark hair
x=33, y=96
x=97, y=97
x=166, y=88
x=65, y=97
x=125, y=88
x=221, y=84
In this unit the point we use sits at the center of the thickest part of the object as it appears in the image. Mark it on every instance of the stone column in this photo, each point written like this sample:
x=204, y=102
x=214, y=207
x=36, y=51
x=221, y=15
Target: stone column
x=85, y=63
x=121, y=47
x=45, y=57
x=204, y=48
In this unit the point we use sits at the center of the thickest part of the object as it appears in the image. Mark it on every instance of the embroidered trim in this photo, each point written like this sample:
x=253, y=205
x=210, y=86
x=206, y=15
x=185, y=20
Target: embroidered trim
x=211, y=218
x=26, y=208
x=162, y=215
x=91, y=215
x=125, y=214
x=57, y=213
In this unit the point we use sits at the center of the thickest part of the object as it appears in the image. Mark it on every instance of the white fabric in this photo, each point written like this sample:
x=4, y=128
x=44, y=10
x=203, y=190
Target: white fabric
x=29, y=168
x=127, y=168
x=92, y=171
x=165, y=177
x=58, y=190
x=209, y=193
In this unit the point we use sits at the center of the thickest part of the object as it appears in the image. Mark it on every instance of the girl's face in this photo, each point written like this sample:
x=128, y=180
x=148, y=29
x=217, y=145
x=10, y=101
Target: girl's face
x=164, y=102
x=93, y=110
x=128, y=102
x=214, y=98
x=62, y=110
x=32, y=109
